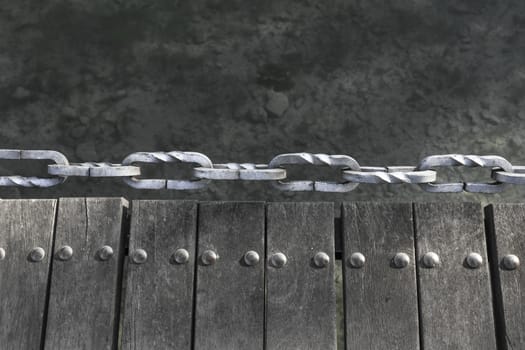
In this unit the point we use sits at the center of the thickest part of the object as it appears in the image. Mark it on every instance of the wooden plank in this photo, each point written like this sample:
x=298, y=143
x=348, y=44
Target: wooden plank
x=455, y=300
x=24, y=225
x=159, y=292
x=506, y=223
x=300, y=310
x=229, y=311
x=85, y=289
x=380, y=298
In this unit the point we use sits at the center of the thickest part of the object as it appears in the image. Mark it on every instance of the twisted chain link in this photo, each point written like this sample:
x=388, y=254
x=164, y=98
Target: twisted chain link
x=468, y=161
x=351, y=173
x=346, y=162
x=390, y=175
x=32, y=181
x=167, y=157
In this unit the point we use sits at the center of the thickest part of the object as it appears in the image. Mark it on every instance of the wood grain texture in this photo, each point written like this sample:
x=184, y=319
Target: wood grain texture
x=380, y=299
x=507, y=226
x=83, y=295
x=455, y=301
x=300, y=310
x=229, y=312
x=159, y=293
x=24, y=224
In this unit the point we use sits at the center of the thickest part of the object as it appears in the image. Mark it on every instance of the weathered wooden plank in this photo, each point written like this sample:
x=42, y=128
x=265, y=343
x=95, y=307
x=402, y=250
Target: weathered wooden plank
x=506, y=225
x=229, y=311
x=24, y=225
x=300, y=310
x=455, y=300
x=159, y=291
x=85, y=286
x=381, y=296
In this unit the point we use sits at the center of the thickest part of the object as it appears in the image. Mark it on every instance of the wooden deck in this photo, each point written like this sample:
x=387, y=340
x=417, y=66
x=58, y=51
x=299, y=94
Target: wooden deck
x=98, y=273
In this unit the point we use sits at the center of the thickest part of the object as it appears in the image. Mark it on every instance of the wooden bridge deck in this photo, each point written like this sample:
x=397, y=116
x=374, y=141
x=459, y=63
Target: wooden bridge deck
x=92, y=273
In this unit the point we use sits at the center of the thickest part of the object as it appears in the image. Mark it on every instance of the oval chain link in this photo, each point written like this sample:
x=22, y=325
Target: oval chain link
x=447, y=160
x=167, y=157
x=344, y=161
x=32, y=181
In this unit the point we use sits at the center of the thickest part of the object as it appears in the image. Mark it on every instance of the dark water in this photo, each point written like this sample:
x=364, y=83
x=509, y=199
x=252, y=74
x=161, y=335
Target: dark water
x=241, y=81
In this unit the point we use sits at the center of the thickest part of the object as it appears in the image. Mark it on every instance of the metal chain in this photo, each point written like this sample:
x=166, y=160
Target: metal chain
x=352, y=174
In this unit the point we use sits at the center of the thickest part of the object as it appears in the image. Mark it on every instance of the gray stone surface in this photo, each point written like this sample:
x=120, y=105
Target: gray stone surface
x=277, y=103
x=386, y=82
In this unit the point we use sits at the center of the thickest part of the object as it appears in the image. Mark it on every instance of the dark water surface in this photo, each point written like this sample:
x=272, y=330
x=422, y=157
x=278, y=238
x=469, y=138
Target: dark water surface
x=241, y=81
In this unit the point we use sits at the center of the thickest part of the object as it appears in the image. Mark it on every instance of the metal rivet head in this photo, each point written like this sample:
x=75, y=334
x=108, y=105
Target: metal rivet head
x=2, y=253
x=278, y=260
x=251, y=258
x=474, y=260
x=401, y=260
x=209, y=257
x=510, y=262
x=181, y=256
x=105, y=253
x=431, y=260
x=64, y=253
x=139, y=256
x=321, y=259
x=357, y=260
x=37, y=254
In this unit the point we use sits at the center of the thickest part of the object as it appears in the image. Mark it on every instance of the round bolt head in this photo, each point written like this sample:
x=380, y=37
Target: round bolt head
x=357, y=260
x=105, y=253
x=278, y=260
x=431, y=260
x=401, y=260
x=37, y=254
x=510, y=262
x=65, y=253
x=209, y=257
x=321, y=259
x=474, y=260
x=181, y=256
x=2, y=253
x=251, y=258
x=139, y=256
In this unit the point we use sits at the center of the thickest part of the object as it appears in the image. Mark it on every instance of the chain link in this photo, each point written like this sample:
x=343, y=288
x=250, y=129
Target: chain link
x=346, y=162
x=516, y=176
x=167, y=157
x=352, y=174
x=447, y=160
x=32, y=181
x=242, y=171
x=390, y=175
x=93, y=169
